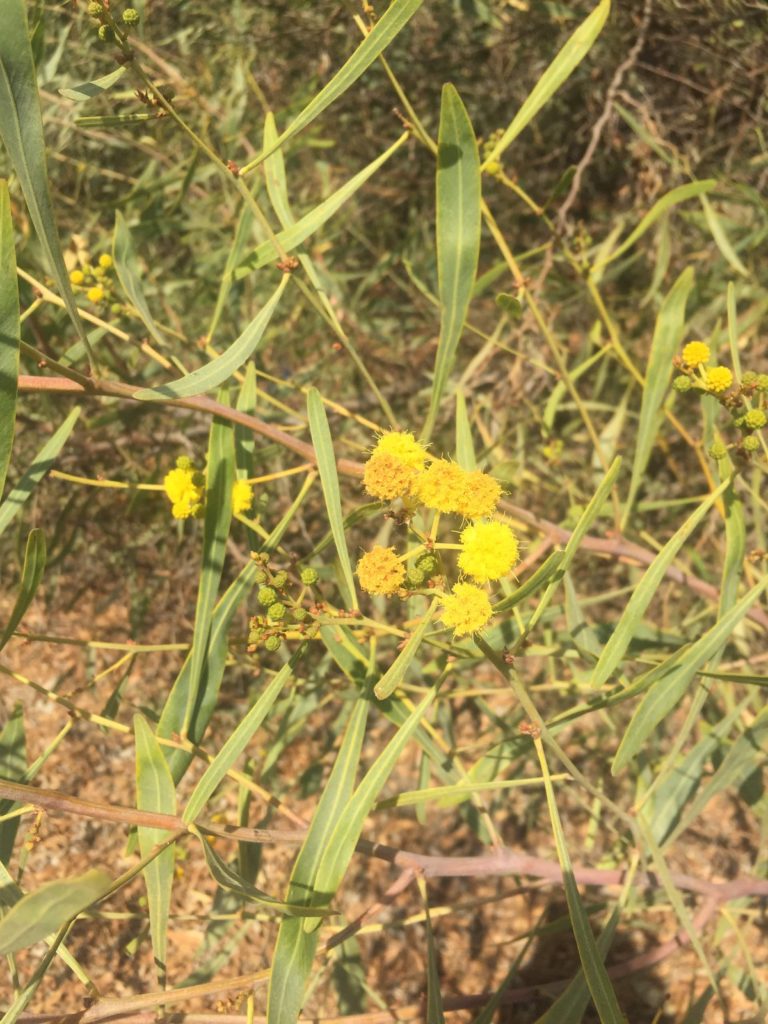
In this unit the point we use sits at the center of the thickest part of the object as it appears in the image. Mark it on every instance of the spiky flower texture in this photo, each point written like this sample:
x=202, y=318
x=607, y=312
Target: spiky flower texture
x=488, y=551
x=380, y=571
x=466, y=609
x=696, y=353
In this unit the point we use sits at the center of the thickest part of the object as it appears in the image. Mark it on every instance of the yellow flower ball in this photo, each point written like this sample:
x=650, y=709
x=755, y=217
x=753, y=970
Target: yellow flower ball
x=105, y=261
x=242, y=496
x=95, y=294
x=184, y=492
x=76, y=276
x=488, y=551
x=442, y=486
x=380, y=571
x=718, y=378
x=466, y=609
x=696, y=353
x=402, y=446
x=481, y=495
x=387, y=477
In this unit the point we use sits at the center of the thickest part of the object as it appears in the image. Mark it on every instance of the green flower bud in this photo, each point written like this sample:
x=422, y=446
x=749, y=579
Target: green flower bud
x=299, y=614
x=116, y=309
x=106, y=35
x=718, y=450
x=261, y=577
x=682, y=383
x=429, y=565
x=266, y=596
x=762, y=382
x=279, y=580
x=276, y=611
x=272, y=643
x=755, y=419
x=130, y=16
x=308, y=576
x=751, y=444
x=95, y=9
x=749, y=379
x=184, y=462
x=414, y=577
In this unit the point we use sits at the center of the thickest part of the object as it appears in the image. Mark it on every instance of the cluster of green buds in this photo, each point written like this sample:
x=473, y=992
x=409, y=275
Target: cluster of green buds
x=283, y=614
x=95, y=280
x=106, y=23
x=494, y=167
x=745, y=400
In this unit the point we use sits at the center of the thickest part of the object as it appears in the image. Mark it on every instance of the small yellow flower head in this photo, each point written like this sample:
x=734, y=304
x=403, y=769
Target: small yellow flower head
x=718, y=378
x=380, y=571
x=387, y=477
x=466, y=609
x=442, y=486
x=105, y=261
x=401, y=446
x=488, y=551
x=76, y=276
x=242, y=496
x=481, y=495
x=95, y=294
x=696, y=353
x=185, y=491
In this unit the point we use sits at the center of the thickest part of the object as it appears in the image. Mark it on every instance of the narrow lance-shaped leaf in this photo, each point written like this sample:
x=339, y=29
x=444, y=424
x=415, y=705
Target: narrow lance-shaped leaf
x=395, y=18
x=31, y=574
x=218, y=517
x=566, y=61
x=236, y=743
x=643, y=594
x=128, y=273
x=53, y=905
x=673, y=678
x=457, y=235
x=21, y=128
x=326, y=464
x=590, y=955
x=155, y=792
x=670, y=324
x=223, y=366
x=87, y=90
x=659, y=208
x=295, y=948
x=172, y=717
x=32, y=476
x=300, y=230
x=10, y=333
x=13, y=766
x=395, y=674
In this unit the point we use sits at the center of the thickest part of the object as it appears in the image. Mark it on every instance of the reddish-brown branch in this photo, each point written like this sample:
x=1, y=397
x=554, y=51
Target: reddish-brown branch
x=619, y=549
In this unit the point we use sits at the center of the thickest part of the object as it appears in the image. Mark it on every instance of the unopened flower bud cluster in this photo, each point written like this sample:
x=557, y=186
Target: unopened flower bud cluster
x=744, y=400
x=282, y=614
x=488, y=548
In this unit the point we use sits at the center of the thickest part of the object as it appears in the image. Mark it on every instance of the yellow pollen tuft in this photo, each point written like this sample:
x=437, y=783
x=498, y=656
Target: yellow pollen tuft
x=401, y=446
x=380, y=571
x=466, y=609
x=488, y=551
x=387, y=477
x=242, y=496
x=696, y=353
x=718, y=379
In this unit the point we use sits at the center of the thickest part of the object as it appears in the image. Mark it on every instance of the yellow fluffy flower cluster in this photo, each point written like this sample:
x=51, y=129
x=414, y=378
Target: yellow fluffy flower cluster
x=380, y=571
x=466, y=609
x=396, y=470
x=242, y=497
x=488, y=549
x=185, y=488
